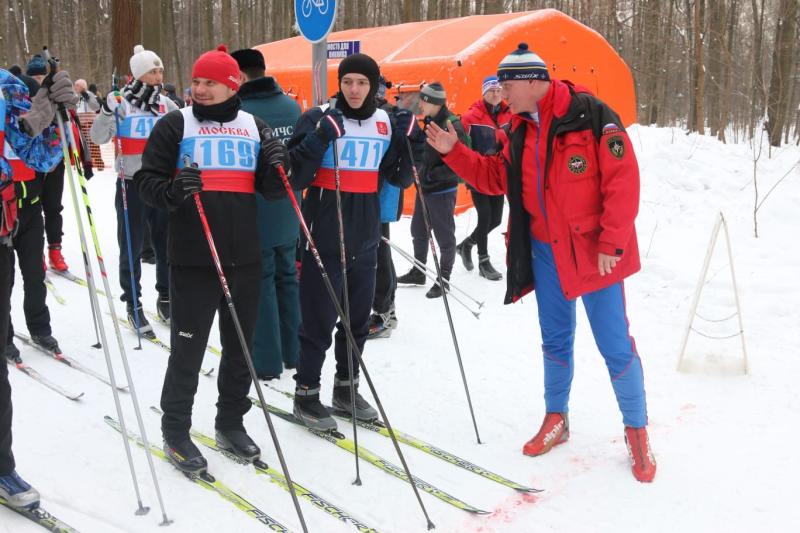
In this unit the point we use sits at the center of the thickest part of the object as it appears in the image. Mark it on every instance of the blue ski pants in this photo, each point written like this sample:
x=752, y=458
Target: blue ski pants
x=605, y=309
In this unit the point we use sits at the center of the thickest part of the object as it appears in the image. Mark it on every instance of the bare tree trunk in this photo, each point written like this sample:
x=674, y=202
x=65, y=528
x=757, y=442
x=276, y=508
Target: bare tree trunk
x=412, y=10
x=782, y=66
x=699, y=67
x=716, y=31
x=227, y=24
x=727, y=68
x=433, y=10
x=757, y=81
x=493, y=6
x=690, y=23
x=126, y=21
x=151, y=27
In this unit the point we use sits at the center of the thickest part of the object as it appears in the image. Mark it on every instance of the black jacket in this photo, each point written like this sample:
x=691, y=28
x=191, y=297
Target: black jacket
x=360, y=211
x=231, y=215
x=435, y=175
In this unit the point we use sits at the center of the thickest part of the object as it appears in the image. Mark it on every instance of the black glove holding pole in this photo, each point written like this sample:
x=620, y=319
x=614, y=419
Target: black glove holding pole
x=185, y=183
x=273, y=154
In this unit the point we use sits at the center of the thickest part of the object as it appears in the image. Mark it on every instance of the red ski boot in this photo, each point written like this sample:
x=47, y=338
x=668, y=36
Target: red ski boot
x=554, y=431
x=56, y=259
x=643, y=463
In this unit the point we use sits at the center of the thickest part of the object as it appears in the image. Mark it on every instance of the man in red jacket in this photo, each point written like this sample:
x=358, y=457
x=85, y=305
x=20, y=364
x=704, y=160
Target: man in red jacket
x=572, y=182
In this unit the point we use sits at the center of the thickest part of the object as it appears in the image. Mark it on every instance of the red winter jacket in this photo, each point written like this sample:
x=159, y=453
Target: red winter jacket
x=485, y=131
x=572, y=181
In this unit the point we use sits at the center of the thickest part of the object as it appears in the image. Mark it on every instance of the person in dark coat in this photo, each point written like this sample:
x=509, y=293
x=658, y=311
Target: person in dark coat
x=276, y=343
x=439, y=188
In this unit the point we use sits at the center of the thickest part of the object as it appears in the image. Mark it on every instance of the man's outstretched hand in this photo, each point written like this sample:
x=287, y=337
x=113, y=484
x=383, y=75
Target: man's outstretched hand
x=442, y=141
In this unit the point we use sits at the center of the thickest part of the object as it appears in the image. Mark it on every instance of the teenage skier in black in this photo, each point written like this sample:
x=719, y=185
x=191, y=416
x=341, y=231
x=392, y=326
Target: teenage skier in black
x=371, y=146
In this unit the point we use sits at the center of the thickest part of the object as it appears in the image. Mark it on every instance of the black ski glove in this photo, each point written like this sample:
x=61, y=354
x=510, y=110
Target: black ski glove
x=404, y=121
x=331, y=126
x=273, y=151
x=185, y=183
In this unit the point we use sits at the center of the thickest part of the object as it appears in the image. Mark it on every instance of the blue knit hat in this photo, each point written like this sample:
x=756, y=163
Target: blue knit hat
x=522, y=64
x=489, y=83
x=36, y=66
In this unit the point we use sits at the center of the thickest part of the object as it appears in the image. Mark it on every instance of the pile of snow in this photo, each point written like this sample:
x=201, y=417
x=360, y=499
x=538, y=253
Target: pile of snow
x=723, y=440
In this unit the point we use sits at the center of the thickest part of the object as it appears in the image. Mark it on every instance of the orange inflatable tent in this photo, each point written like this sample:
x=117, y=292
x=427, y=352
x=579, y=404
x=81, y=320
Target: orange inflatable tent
x=460, y=52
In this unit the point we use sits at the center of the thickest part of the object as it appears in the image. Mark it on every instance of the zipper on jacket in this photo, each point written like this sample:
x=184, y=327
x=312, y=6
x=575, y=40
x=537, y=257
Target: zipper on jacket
x=539, y=174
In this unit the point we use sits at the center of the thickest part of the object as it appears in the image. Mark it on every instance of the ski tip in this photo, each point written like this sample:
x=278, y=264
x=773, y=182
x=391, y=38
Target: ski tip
x=528, y=490
x=75, y=397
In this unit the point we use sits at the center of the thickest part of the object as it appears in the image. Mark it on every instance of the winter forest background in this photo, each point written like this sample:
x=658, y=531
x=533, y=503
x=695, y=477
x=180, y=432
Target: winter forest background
x=726, y=67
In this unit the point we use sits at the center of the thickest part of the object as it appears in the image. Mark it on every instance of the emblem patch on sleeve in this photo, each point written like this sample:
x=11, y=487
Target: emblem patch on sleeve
x=577, y=164
x=616, y=146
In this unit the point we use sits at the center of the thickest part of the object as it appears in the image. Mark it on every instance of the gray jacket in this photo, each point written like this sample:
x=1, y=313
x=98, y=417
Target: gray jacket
x=104, y=129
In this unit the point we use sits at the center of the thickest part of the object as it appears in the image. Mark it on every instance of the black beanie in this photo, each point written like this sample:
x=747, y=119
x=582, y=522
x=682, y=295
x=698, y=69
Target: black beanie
x=249, y=58
x=433, y=93
x=365, y=65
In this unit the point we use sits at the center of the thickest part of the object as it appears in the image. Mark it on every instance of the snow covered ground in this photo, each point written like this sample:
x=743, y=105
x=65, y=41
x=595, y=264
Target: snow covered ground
x=725, y=444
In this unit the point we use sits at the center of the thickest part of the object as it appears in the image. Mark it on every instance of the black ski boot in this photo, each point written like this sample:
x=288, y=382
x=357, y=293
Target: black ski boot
x=412, y=277
x=238, y=442
x=12, y=353
x=310, y=411
x=436, y=290
x=48, y=342
x=486, y=270
x=144, y=326
x=341, y=401
x=464, y=250
x=162, y=307
x=382, y=324
x=185, y=456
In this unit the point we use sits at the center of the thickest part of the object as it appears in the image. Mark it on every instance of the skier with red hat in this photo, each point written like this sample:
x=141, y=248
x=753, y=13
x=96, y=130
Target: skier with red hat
x=227, y=155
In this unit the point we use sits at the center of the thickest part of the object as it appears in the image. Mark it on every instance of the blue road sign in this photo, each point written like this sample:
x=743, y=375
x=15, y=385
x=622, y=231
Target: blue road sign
x=315, y=18
x=342, y=49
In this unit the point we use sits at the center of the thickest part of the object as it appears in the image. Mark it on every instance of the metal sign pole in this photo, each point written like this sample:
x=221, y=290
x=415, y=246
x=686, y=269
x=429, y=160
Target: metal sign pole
x=319, y=66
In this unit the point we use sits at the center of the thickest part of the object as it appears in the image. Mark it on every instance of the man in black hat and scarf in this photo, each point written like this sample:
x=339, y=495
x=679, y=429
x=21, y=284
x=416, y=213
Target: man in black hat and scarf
x=370, y=146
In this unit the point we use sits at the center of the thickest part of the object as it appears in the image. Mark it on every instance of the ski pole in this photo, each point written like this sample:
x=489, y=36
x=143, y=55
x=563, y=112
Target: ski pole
x=245, y=349
x=345, y=295
x=332, y=294
x=61, y=115
x=426, y=217
x=123, y=192
x=421, y=267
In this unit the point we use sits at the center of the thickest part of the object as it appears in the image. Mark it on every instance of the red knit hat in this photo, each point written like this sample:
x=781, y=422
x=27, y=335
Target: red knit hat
x=219, y=66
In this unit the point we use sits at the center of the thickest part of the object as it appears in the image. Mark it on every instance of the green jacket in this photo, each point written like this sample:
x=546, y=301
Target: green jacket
x=264, y=98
